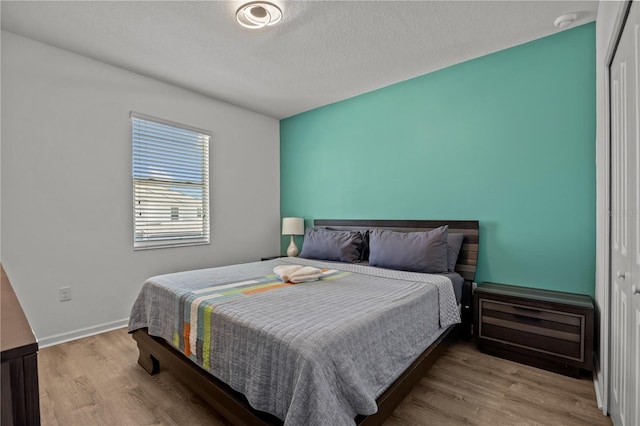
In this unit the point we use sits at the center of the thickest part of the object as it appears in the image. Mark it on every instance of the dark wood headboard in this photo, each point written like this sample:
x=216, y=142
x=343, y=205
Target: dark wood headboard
x=468, y=257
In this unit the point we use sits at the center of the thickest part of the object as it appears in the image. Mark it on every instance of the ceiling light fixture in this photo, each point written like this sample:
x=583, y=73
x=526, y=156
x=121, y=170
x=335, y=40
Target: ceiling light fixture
x=258, y=14
x=564, y=21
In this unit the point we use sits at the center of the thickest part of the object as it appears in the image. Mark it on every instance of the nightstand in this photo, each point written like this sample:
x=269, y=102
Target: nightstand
x=547, y=329
x=270, y=258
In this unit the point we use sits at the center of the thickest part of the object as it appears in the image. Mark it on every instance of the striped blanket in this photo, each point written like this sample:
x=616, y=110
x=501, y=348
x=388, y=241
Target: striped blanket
x=315, y=353
x=192, y=334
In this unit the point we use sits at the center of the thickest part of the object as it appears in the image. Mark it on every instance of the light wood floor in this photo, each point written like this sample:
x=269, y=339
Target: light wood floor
x=97, y=381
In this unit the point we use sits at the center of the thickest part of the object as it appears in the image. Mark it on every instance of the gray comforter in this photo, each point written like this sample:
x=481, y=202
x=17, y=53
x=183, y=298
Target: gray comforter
x=316, y=353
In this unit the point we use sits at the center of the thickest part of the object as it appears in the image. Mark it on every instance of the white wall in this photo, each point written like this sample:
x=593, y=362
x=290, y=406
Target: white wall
x=67, y=187
x=607, y=25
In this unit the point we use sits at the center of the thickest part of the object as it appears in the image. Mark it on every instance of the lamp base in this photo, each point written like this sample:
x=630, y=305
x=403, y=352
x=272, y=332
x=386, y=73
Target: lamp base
x=292, y=250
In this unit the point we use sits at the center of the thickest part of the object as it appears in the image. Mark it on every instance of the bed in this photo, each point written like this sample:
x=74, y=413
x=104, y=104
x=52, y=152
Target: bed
x=343, y=350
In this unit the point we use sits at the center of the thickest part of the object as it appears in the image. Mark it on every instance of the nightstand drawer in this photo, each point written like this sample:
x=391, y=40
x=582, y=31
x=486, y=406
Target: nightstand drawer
x=546, y=331
x=530, y=314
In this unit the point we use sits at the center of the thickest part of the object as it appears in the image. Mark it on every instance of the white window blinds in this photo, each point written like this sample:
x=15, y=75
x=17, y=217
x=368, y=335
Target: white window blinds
x=170, y=183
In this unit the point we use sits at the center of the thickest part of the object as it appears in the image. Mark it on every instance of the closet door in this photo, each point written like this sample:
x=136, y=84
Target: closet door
x=632, y=279
x=625, y=225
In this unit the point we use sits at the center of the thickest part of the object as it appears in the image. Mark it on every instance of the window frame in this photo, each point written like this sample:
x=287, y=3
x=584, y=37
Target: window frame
x=202, y=209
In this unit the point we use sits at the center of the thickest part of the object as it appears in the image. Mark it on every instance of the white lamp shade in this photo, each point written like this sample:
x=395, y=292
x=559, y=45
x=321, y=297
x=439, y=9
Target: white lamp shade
x=292, y=226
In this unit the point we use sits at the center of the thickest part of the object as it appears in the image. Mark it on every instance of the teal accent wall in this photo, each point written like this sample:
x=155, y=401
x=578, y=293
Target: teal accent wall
x=508, y=139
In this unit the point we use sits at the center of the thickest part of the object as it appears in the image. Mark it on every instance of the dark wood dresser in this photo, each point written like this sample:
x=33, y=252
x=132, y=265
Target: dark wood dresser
x=19, y=375
x=547, y=329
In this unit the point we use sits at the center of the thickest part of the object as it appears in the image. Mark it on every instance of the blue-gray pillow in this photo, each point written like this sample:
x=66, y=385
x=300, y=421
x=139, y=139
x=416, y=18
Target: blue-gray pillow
x=409, y=251
x=364, y=252
x=454, y=244
x=323, y=244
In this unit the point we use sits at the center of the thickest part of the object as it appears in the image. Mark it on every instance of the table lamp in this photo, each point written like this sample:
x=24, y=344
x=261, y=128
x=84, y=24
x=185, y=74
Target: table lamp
x=292, y=226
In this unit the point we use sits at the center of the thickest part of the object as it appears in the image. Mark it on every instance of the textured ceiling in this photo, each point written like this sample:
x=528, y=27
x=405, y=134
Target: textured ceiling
x=321, y=52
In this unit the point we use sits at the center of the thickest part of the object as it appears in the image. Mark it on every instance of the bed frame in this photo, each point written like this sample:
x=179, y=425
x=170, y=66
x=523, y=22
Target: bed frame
x=234, y=407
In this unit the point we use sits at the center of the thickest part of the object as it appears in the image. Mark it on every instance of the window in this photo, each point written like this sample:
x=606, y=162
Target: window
x=170, y=183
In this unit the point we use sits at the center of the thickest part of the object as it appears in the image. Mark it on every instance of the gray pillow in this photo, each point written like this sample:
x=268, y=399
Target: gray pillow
x=364, y=256
x=364, y=250
x=454, y=244
x=409, y=251
x=323, y=244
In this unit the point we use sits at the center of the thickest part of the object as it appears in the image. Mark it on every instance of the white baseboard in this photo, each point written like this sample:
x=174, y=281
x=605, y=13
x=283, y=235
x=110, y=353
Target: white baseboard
x=57, y=339
x=596, y=385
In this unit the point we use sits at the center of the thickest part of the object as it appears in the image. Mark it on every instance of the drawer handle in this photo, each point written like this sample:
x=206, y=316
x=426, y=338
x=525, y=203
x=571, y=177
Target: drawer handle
x=525, y=317
x=533, y=311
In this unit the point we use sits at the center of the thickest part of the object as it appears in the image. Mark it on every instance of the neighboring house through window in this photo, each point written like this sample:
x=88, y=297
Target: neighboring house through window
x=170, y=183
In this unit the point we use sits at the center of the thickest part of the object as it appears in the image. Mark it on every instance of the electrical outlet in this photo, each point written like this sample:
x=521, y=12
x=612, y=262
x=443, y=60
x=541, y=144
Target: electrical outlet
x=65, y=294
